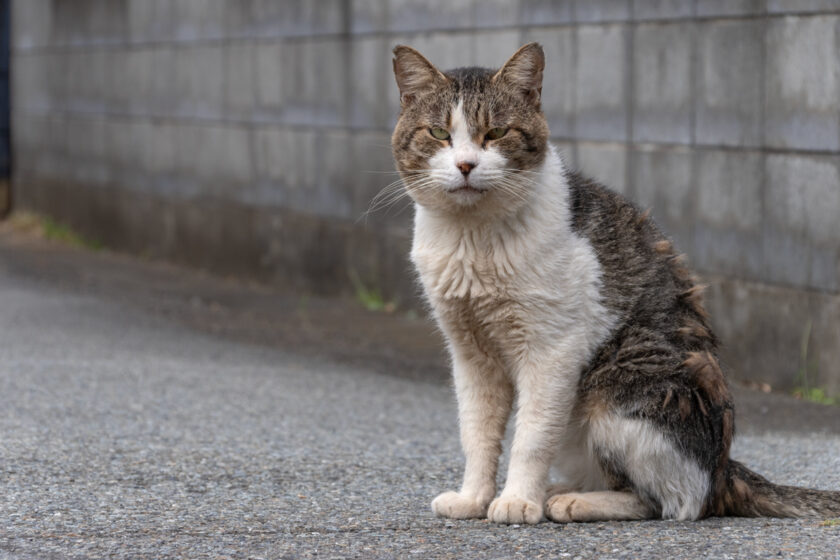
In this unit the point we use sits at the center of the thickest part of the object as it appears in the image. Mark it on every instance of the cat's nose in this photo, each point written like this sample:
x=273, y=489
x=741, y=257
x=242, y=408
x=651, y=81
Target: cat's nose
x=465, y=167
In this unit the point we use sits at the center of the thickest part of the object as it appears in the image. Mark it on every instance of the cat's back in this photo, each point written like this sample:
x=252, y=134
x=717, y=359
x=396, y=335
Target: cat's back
x=644, y=278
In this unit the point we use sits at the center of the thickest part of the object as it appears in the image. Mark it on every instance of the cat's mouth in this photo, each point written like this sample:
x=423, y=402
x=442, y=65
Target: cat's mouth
x=467, y=189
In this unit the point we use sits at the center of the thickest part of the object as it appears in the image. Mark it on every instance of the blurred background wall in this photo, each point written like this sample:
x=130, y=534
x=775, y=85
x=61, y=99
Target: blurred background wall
x=249, y=137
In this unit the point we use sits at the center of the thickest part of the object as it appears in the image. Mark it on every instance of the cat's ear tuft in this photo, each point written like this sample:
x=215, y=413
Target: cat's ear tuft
x=523, y=72
x=415, y=75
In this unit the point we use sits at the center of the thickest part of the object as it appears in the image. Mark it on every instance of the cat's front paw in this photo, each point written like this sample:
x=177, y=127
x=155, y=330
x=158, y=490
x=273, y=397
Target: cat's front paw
x=514, y=510
x=457, y=506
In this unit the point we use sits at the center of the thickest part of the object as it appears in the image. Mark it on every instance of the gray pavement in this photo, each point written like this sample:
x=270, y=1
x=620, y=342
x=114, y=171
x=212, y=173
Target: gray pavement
x=149, y=411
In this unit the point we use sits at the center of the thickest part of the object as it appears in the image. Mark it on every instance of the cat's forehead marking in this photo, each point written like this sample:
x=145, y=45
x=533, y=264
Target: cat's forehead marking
x=459, y=127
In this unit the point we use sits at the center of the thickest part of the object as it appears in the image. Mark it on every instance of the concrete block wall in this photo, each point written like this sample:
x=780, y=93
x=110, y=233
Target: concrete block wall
x=250, y=136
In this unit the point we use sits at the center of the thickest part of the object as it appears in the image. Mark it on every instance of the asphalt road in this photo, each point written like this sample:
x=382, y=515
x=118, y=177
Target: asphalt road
x=149, y=411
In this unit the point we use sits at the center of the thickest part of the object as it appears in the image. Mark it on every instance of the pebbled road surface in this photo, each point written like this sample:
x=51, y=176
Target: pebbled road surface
x=148, y=411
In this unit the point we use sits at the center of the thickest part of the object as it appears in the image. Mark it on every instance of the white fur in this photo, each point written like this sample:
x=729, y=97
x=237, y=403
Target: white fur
x=654, y=464
x=518, y=296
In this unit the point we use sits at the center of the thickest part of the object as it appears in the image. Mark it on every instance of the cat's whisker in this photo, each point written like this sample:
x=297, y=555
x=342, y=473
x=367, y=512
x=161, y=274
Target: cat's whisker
x=393, y=193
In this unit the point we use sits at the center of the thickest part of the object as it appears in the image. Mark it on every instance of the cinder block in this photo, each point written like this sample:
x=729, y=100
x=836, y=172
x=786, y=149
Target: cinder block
x=239, y=81
x=803, y=196
x=600, y=83
x=159, y=155
x=545, y=12
x=286, y=163
x=802, y=202
x=661, y=9
x=92, y=22
x=30, y=137
x=797, y=6
x=200, y=81
x=786, y=259
x=121, y=146
x=496, y=13
x=199, y=19
x=371, y=71
x=824, y=268
x=31, y=24
x=368, y=16
x=605, y=162
x=269, y=18
x=326, y=17
x=313, y=81
x=729, y=213
x=26, y=131
x=150, y=20
x=333, y=193
x=117, y=90
x=558, y=92
x=85, y=149
x=707, y=8
x=725, y=251
x=30, y=84
x=222, y=159
x=762, y=327
x=58, y=164
x=428, y=15
x=90, y=81
x=268, y=78
x=106, y=21
x=602, y=10
x=491, y=49
x=662, y=180
x=729, y=191
x=138, y=76
x=803, y=83
x=164, y=96
x=728, y=95
x=662, y=83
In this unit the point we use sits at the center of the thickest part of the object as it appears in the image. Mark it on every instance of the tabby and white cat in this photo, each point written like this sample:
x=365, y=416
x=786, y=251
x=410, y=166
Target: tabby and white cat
x=558, y=294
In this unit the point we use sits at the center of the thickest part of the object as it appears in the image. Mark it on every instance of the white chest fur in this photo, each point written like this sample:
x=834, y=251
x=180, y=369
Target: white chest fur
x=527, y=280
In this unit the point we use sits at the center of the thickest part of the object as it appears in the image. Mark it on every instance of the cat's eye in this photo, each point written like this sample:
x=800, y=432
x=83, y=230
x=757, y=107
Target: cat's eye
x=440, y=133
x=496, y=133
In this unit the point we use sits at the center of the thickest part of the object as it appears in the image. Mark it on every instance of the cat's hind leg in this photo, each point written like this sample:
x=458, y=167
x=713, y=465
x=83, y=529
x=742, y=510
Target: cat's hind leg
x=596, y=506
x=638, y=455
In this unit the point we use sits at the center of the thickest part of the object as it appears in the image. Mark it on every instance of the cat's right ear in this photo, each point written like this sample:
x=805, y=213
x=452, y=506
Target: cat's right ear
x=415, y=75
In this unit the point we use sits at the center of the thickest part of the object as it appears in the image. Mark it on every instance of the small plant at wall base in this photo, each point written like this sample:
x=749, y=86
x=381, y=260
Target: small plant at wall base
x=370, y=298
x=830, y=523
x=807, y=374
x=47, y=228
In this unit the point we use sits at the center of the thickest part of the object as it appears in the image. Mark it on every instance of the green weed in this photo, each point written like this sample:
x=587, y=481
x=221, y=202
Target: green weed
x=806, y=388
x=48, y=228
x=370, y=298
x=63, y=234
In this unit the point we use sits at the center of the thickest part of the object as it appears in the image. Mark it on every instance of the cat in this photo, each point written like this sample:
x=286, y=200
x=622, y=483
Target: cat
x=558, y=294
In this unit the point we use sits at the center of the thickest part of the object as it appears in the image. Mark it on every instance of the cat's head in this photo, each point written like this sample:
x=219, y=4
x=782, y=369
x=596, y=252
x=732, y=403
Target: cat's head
x=469, y=139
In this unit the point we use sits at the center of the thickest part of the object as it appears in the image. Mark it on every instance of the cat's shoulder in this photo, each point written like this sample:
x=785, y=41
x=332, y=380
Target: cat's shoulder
x=593, y=205
x=588, y=196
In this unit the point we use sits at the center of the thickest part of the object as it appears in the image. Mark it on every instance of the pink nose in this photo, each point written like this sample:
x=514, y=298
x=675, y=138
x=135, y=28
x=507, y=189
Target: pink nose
x=465, y=167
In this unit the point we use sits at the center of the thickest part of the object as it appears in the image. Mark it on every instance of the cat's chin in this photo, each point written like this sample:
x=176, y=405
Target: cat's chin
x=466, y=195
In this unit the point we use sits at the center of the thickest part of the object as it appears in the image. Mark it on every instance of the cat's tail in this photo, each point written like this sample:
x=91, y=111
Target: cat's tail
x=747, y=494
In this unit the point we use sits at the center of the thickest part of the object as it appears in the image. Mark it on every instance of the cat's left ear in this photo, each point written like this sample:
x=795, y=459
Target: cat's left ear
x=523, y=72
